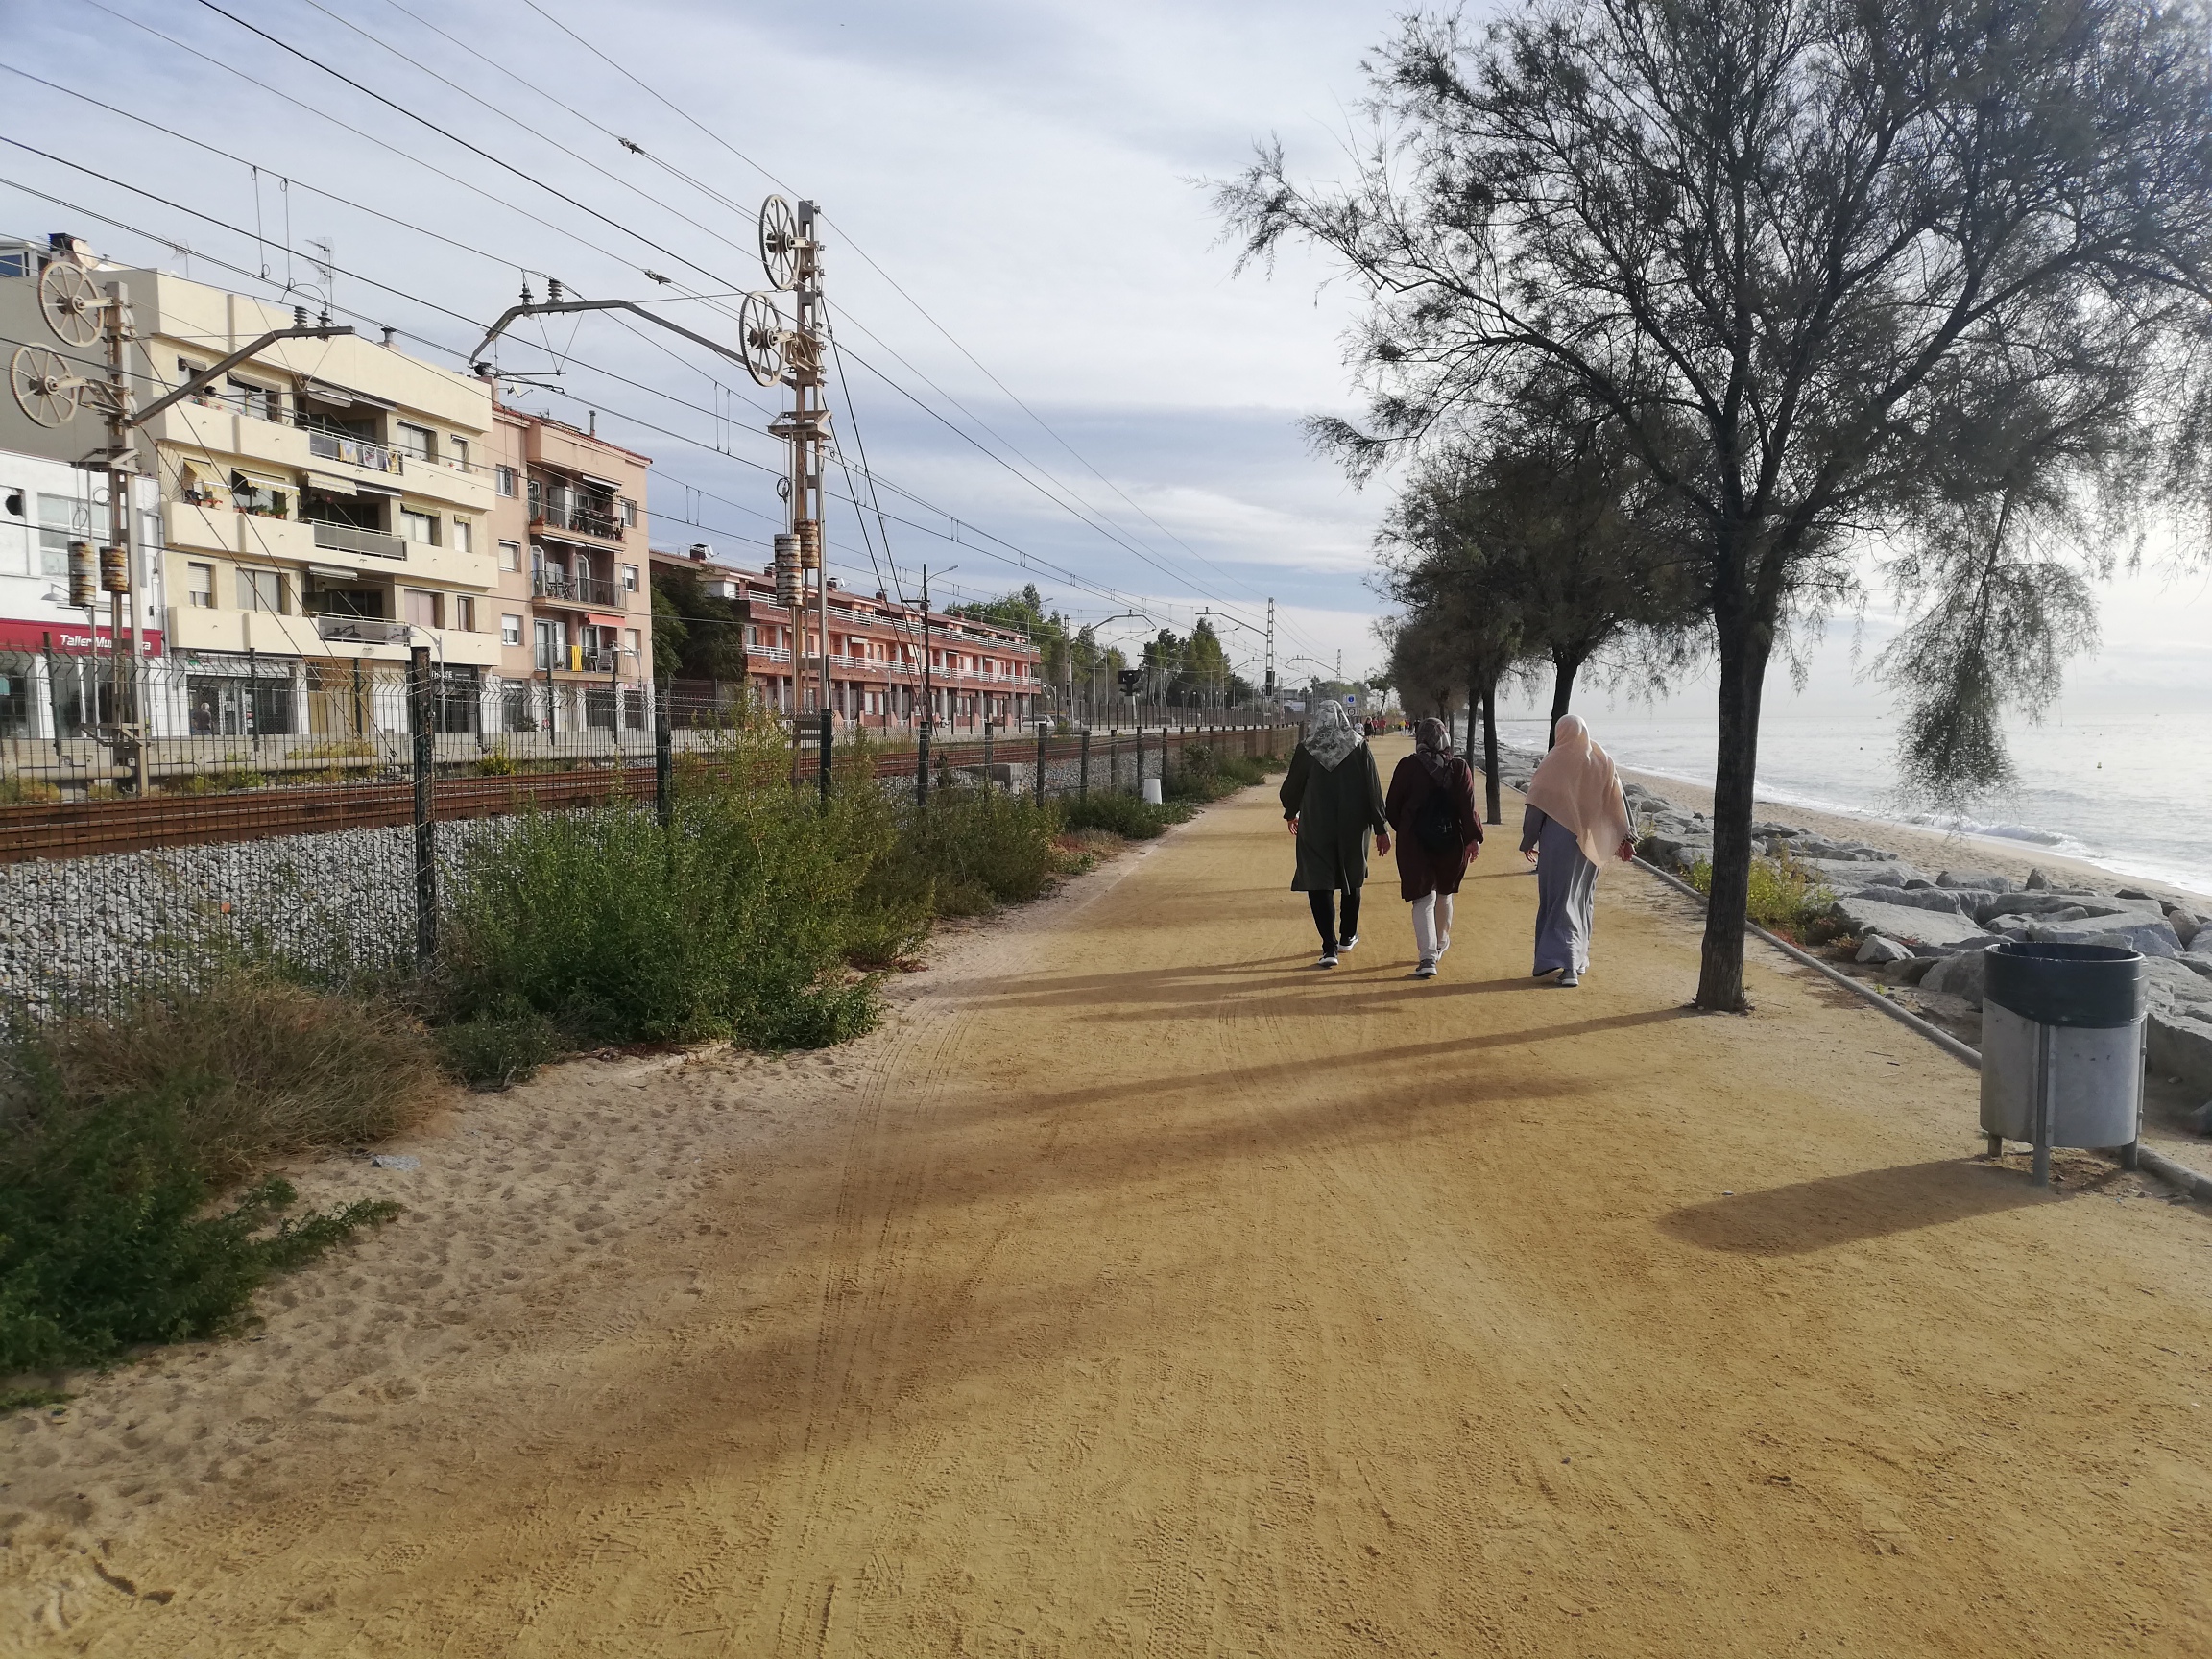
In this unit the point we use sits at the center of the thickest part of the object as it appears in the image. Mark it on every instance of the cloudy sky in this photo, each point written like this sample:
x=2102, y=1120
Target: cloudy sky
x=1055, y=374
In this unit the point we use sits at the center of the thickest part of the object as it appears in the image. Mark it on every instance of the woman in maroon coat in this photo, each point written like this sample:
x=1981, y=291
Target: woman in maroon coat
x=1432, y=808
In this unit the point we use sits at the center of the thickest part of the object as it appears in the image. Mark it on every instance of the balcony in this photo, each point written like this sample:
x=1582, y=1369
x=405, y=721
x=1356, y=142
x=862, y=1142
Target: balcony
x=353, y=451
x=370, y=544
x=774, y=653
x=579, y=520
x=360, y=630
x=575, y=589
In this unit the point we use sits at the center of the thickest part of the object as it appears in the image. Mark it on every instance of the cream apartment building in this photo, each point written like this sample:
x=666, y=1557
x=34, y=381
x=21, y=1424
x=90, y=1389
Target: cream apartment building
x=324, y=509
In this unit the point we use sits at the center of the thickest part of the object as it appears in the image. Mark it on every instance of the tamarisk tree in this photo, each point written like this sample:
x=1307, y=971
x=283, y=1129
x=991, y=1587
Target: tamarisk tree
x=1843, y=273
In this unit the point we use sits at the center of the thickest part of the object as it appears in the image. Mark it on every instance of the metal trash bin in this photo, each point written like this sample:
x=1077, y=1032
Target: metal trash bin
x=2063, y=1028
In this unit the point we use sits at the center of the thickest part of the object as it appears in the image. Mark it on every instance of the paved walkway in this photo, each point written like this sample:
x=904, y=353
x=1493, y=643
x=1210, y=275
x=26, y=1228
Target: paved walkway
x=1153, y=1294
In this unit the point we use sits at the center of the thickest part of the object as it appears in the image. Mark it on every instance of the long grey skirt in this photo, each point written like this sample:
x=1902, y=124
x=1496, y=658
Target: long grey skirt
x=1566, y=898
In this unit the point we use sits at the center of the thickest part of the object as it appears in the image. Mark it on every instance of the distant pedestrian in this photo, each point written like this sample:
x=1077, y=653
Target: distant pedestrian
x=1332, y=796
x=1432, y=806
x=1577, y=817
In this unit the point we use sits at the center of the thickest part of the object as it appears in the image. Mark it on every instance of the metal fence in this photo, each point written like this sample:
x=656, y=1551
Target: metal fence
x=127, y=861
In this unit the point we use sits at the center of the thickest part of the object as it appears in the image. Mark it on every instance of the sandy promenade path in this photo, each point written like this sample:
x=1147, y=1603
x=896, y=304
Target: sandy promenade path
x=1142, y=1291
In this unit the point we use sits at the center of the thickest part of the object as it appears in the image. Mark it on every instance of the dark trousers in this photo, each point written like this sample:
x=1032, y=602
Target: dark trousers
x=1324, y=917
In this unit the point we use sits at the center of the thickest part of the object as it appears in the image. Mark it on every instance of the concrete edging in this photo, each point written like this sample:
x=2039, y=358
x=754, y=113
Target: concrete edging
x=2158, y=1164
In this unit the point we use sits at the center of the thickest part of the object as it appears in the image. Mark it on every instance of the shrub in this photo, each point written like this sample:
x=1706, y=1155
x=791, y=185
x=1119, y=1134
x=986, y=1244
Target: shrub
x=497, y=1049
x=978, y=848
x=105, y=1239
x=254, y=1068
x=734, y=923
x=1786, y=898
x=496, y=762
x=17, y=790
x=1120, y=814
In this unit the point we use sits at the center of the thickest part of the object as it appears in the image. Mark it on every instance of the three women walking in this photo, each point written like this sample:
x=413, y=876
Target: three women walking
x=1332, y=799
x=1432, y=806
x=1576, y=818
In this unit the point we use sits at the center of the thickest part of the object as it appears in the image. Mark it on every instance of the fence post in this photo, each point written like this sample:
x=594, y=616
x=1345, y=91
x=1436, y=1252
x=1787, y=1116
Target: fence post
x=664, y=764
x=426, y=808
x=1041, y=762
x=1137, y=783
x=1083, y=769
x=986, y=756
x=921, y=762
x=823, y=750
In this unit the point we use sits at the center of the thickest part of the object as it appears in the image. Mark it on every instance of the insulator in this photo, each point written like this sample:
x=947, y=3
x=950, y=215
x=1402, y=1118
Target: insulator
x=788, y=585
x=810, y=544
x=115, y=570
x=84, y=577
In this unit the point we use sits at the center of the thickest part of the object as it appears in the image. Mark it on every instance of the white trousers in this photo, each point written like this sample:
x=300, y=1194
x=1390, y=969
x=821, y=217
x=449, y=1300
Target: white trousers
x=1431, y=924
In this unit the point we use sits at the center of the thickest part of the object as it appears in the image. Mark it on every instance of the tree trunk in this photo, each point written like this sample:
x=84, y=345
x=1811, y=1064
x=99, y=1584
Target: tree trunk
x=1745, y=646
x=1564, y=665
x=1490, y=749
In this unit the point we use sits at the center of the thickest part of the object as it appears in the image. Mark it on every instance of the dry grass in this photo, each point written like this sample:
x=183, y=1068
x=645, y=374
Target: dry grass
x=267, y=1069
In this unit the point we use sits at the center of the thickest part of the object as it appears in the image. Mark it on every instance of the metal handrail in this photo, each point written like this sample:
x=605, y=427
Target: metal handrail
x=349, y=539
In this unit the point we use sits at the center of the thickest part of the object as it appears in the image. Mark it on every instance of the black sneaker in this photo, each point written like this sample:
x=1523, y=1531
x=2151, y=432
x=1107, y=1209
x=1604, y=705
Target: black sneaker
x=1328, y=959
x=1349, y=943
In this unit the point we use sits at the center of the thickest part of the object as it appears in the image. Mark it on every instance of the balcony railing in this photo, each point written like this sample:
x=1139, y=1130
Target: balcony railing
x=774, y=653
x=576, y=589
x=353, y=451
x=583, y=521
x=359, y=630
x=346, y=539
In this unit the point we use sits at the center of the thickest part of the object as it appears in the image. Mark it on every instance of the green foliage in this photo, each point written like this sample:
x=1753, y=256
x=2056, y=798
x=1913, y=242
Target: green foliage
x=499, y=1048
x=978, y=848
x=732, y=923
x=497, y=762
x=1786, y=898
x=1201, y=774
x=1124, y=815
x=225, y=781
x=17, y=790
x=105, y=1234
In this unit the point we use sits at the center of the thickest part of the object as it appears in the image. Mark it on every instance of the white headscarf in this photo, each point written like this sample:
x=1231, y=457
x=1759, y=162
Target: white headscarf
x=1329, y=735
x=1576, y=786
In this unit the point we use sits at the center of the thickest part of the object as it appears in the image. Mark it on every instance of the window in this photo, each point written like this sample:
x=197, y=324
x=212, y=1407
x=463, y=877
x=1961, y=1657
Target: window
x=465, y=613
x=457, y=454
x=418, y=441
x=629, y=513
x=260, y=496
x=551, y=645
x=504, y=476
x=419, y=526
x=510, y=630
x=629, y=578
x=61, y=519
x=15, y=263
x=200, y=586
x=423, y=608
x=259, y=401
x=630, y=640
x=464, y=536
x=509, y=555
x=261, y=591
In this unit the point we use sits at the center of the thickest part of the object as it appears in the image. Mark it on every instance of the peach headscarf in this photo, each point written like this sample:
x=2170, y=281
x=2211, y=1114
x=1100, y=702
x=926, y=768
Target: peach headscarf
x=1577, y=787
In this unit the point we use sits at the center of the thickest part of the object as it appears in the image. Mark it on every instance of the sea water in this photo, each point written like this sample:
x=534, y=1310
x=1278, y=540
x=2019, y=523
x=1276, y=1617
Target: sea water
x=2128, y=794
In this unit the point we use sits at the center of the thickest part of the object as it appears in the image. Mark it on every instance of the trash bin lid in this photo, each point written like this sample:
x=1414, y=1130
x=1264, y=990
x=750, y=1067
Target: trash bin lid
x=2093, y=986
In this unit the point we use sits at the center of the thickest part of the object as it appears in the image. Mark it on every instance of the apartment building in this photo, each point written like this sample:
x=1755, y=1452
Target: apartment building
x=323, y=509
x=574, y=607
x=977, y=671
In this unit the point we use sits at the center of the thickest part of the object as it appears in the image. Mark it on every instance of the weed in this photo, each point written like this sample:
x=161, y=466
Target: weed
x=496, y=762
x=31, y=1399
x=981, y=848
x=223, y=783
x=1786, y=898
x=499, y=1048
x=1124, y=815
x=336, y=749
x=17, y=790
x=255, y=1068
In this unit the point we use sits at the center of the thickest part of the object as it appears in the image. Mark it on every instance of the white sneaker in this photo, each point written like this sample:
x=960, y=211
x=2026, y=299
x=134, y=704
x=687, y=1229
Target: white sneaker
x=1427, y=969
x=1347, y=944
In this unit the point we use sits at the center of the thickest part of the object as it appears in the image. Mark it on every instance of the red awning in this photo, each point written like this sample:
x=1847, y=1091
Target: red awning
x=606, y=621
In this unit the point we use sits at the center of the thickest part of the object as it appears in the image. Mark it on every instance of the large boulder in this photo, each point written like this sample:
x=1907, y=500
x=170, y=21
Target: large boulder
x=2185, y=924
x=2197, y=962
x=1882, y=952
x=1936, y=898
x=2136, y=933
x=2037, y=880
x=1981, y=878
x=1959, y=976
x=1851, y=875
x=1944, y=930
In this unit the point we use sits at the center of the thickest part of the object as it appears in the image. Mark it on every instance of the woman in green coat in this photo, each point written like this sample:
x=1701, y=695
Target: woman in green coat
x=1332, y=796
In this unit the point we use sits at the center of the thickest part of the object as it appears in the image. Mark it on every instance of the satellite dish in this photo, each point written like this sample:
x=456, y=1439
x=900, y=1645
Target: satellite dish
x=70, y=304
x=779, y=242
x=760, y=336
x=44, y=385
